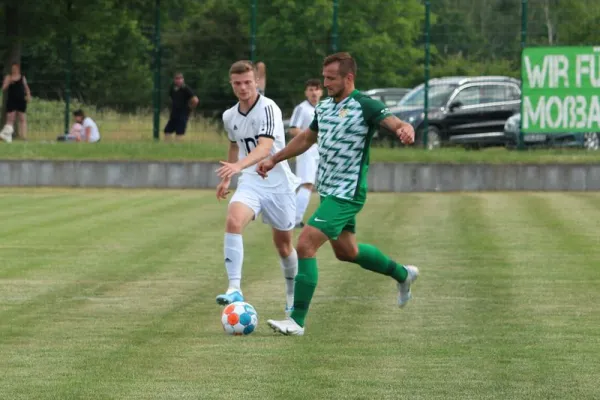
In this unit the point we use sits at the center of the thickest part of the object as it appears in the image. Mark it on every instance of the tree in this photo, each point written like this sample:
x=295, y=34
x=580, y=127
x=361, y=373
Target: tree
x=113, y=43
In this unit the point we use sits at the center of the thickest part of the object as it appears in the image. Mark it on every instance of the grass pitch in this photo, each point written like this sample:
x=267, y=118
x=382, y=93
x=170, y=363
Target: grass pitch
x=110, y=295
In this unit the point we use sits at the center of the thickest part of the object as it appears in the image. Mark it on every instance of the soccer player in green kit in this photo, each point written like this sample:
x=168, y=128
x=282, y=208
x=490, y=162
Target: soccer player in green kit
x=343, y=128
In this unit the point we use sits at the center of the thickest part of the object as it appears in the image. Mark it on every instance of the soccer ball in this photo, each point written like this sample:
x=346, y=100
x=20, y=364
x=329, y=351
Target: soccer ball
x=239, y=318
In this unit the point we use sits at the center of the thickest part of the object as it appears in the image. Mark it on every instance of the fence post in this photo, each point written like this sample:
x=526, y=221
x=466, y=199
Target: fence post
x=334, y=27
x=157, y=63
x=426, y=91
x=521, y=140
x=253, y=30
x=69, y=66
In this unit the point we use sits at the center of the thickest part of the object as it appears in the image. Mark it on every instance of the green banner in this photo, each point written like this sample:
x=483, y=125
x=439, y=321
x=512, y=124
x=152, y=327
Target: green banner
x=560, y=89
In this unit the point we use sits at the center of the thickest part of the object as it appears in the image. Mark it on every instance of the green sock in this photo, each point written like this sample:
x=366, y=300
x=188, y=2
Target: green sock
x=304, y=288
x=371, y=258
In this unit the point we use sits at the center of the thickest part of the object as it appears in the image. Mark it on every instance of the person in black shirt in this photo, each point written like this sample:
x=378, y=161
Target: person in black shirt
x=17, y=95
x=183, y=100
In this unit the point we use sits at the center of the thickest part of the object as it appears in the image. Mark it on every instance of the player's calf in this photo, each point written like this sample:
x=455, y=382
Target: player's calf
x=289, y=264
x=238, y=216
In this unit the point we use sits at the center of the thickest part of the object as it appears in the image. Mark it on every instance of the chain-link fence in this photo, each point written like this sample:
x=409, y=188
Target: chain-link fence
x=117, y=61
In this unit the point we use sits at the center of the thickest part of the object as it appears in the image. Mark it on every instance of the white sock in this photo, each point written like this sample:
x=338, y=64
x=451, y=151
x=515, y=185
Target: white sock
x=289, y=267
x=234, y=258
x=302, y=200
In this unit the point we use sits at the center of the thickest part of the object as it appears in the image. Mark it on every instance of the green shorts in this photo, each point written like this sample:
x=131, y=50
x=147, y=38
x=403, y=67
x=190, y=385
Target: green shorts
x=335, y=215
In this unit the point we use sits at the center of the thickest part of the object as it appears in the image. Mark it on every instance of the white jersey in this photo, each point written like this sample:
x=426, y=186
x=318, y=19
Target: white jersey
x=94, y=132
x=303, y=115
x=262, y=120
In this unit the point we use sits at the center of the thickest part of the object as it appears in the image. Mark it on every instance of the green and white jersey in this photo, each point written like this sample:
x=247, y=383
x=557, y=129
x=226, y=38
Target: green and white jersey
x=345, y=131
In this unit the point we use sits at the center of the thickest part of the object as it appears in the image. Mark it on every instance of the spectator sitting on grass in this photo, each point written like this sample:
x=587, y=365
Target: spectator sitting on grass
x=75, y=133
x=83, y=130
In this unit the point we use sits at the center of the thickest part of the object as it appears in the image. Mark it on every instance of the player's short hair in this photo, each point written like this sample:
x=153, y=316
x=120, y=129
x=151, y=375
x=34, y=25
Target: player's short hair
x=178, y=74
x=347, y=63
x=241, y=67
x=313, y=83
x=79, y=113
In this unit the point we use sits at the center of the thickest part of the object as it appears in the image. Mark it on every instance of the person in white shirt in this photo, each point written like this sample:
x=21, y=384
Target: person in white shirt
x=87, y=129
x=255, y=129
x=306, y=163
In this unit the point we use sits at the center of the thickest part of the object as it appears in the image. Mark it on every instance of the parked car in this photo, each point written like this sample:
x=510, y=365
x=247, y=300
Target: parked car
x=587, y=140
x=468, y=111
x=388, y=96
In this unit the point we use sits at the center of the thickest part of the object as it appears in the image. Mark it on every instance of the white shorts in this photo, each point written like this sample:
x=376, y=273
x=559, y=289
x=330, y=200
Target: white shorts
x=278, y=209
x=307, y=165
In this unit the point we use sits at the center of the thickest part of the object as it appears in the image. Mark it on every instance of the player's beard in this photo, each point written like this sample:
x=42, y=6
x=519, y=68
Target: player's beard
x=335, y=93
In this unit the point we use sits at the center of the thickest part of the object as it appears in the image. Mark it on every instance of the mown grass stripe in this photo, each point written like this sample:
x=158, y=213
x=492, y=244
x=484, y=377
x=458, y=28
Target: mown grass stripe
x=134, y=316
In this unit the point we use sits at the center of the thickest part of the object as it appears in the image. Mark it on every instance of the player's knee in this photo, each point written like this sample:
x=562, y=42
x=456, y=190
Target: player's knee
x=305, y=248
x=284, y=248
x=233, y=224
x=345, y=251
x=346, y=254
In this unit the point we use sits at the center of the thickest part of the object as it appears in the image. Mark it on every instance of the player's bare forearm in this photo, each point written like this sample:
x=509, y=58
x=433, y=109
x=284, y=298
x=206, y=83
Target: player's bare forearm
x=88, y=133
x=393, y=123
x=295, y=131
x=298, y=145
x=233, y=153
x=261, y=152
x=404, y=130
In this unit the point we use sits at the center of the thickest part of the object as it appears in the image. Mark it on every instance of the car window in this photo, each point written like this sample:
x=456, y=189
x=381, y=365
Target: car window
x=493, y=94
x=438, y=96
x=392, y=100
x=468, y=96
x=513, y=93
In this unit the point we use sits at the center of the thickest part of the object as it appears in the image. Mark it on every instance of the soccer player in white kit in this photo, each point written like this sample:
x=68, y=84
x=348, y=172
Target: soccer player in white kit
x=255, y=129
x=308, y=162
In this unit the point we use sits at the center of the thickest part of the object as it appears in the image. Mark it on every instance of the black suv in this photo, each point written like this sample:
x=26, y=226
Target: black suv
x=469, y=111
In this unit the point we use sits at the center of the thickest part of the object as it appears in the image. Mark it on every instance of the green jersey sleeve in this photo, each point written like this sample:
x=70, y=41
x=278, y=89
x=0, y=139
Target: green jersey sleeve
x=374, y=111
x=314, y=125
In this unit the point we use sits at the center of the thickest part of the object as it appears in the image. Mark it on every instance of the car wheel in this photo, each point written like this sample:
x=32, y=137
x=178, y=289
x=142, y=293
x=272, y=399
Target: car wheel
x=434, y=138
x=591, y=141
